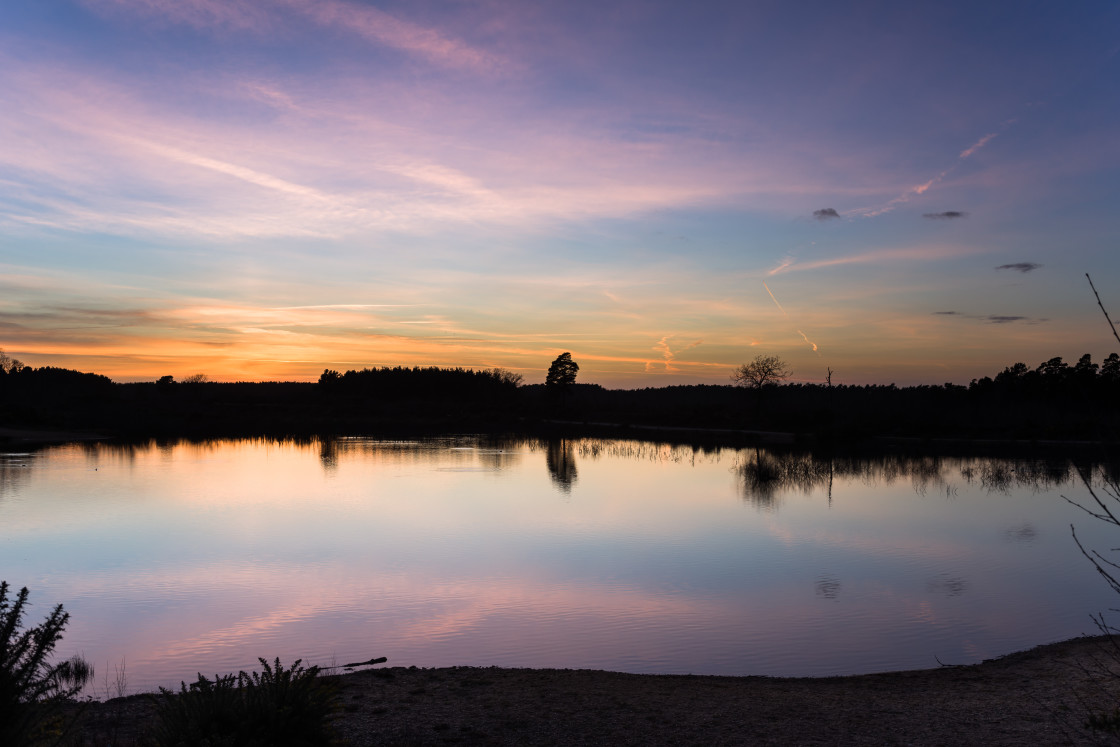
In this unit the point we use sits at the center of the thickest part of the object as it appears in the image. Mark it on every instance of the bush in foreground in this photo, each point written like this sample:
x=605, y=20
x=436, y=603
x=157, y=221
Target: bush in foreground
x=275, y=707
x=32, y=690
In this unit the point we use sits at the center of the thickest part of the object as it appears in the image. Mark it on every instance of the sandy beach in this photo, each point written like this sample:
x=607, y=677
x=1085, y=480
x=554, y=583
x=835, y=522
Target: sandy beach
x=1038, y=697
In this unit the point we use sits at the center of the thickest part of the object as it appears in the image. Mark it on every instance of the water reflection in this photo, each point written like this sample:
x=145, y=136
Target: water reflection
x=1025, y=533
x=328, y=454
x=828, y=587
x=950, y=586
x=15, y=468
x=561, y=460
x=765, y=475
x=184, y=555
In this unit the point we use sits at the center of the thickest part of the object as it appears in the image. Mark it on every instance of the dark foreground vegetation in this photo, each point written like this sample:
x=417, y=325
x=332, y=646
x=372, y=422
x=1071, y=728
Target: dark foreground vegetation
x=1054, y=400
x=39, y=703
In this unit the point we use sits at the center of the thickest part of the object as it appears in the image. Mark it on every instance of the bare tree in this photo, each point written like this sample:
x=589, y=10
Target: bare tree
x=9, y=364
x=509, y=378
x=763, y=370
x=1103, y=507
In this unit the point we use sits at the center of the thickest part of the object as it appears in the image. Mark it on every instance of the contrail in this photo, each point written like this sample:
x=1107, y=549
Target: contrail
x=806, y=339
x=775, y=300
x=668, y=354
x=767, y=287
x=923, y=188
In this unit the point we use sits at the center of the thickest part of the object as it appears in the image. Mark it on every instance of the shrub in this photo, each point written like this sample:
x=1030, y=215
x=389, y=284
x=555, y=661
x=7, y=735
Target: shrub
x=31, y=689
x=275, y=707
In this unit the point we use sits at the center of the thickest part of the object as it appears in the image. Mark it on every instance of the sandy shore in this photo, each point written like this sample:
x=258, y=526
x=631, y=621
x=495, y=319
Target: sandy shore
x=1036, y=697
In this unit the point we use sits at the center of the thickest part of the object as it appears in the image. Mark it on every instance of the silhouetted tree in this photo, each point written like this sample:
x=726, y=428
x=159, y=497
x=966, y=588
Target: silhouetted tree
x=9, y=364
x=561, y=375
x=508, y=378
x=763, y=370
x=1110, y=369
x=1084, y=374
x=1055, y=375
x=562, y=372
x=198, y=378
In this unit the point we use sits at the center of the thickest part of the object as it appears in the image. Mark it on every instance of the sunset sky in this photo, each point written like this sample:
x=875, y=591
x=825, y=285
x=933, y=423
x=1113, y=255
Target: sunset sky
x=261, y=189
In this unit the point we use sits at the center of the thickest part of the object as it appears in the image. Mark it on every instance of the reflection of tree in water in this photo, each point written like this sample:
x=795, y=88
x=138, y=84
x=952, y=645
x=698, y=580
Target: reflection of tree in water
x=593, y=448
x=761, y=478
x=328, y=454
x=765, y=475
x=561, y=460
x=1002, y=475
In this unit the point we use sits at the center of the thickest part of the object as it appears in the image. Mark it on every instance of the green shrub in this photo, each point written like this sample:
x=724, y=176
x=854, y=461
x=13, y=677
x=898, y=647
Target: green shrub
x=275, y=707
x=31, y=689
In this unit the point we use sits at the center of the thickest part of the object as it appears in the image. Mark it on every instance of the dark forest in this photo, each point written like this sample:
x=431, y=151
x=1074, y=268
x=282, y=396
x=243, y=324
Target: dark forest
x=1052, y=401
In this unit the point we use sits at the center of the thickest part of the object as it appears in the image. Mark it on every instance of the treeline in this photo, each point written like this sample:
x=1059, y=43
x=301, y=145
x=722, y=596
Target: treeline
x=27, y=394
x=422, y=382
x=1055, y=378
x=1054, y=400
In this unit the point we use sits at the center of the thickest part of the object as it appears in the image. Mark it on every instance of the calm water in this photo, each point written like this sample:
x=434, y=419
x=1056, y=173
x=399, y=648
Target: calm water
x=621, y=555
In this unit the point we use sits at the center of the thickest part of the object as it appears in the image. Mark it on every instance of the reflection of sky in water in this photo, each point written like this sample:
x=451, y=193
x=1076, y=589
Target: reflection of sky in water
x=619, y=555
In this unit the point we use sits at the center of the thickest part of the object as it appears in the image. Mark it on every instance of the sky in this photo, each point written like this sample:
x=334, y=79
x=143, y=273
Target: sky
x=260, y=189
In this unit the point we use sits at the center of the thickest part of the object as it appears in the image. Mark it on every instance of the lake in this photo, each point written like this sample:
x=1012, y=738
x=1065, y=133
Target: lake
x=183, y=557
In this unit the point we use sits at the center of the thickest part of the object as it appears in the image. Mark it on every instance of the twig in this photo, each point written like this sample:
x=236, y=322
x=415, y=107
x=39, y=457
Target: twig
x=351, y=665
x=944, y=664
x=1098, y=295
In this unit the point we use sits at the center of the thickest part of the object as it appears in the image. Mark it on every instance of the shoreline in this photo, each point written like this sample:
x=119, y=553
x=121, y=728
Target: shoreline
x=1042, y=695
x=682, y=435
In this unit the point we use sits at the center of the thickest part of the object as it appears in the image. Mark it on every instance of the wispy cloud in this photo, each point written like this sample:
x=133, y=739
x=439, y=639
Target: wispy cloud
x=668, y=355
x=365, y=21
x=946, y=215
x=921, y=189
x=227, y=14
x=967, y=152
x=381, y=27
x=826, y=214
x=248, y=175
x=149, y=165
x=782, y=266
x=1020, y=266
x=919, y=254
